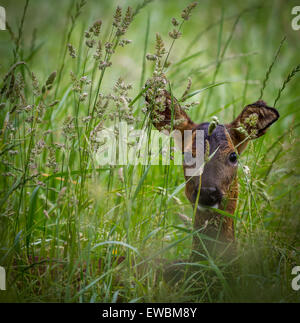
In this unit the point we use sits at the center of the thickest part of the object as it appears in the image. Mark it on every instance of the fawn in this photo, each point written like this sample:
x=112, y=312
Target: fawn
x=218, y=182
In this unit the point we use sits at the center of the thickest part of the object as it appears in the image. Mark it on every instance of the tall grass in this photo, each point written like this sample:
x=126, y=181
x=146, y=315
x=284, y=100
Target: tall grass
x=74, y=231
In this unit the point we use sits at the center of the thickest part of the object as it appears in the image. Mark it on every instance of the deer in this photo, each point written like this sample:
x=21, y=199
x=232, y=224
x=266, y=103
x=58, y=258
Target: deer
x=217, y=187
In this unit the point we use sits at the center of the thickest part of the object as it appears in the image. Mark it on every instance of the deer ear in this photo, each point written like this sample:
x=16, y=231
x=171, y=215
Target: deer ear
x=253, y=122
x=164, y=109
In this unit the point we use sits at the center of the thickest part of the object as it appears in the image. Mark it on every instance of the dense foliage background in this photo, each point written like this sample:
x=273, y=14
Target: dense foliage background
x=67, y=223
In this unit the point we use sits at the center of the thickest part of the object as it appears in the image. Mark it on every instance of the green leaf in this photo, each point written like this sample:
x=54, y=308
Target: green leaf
x=117, y=243
x=201, y=90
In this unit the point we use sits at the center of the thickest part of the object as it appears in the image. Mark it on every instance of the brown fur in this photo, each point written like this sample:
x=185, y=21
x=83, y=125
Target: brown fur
x=170, y=103
x=266, y=117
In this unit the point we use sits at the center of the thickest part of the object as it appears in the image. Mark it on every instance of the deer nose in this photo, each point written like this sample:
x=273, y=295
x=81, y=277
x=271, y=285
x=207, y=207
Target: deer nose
x=210, y=196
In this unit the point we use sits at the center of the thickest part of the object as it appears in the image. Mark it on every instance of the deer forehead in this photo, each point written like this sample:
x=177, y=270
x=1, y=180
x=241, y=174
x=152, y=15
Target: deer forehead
x=219, y=139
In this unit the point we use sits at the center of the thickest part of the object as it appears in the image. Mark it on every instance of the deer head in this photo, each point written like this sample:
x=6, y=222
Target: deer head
x=218, y=182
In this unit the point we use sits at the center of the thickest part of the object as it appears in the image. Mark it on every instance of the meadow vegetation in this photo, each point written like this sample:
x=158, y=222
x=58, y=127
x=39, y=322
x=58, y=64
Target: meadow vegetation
x=74, y=231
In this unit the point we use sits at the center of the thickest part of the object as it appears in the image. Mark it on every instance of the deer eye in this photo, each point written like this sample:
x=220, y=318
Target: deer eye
x=233, y=158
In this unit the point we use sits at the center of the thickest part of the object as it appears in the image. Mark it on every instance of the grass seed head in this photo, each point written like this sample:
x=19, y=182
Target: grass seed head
x=72, y=51
x=125, y=22
x=117, y=17
x=175, y=34
x=186, y=13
